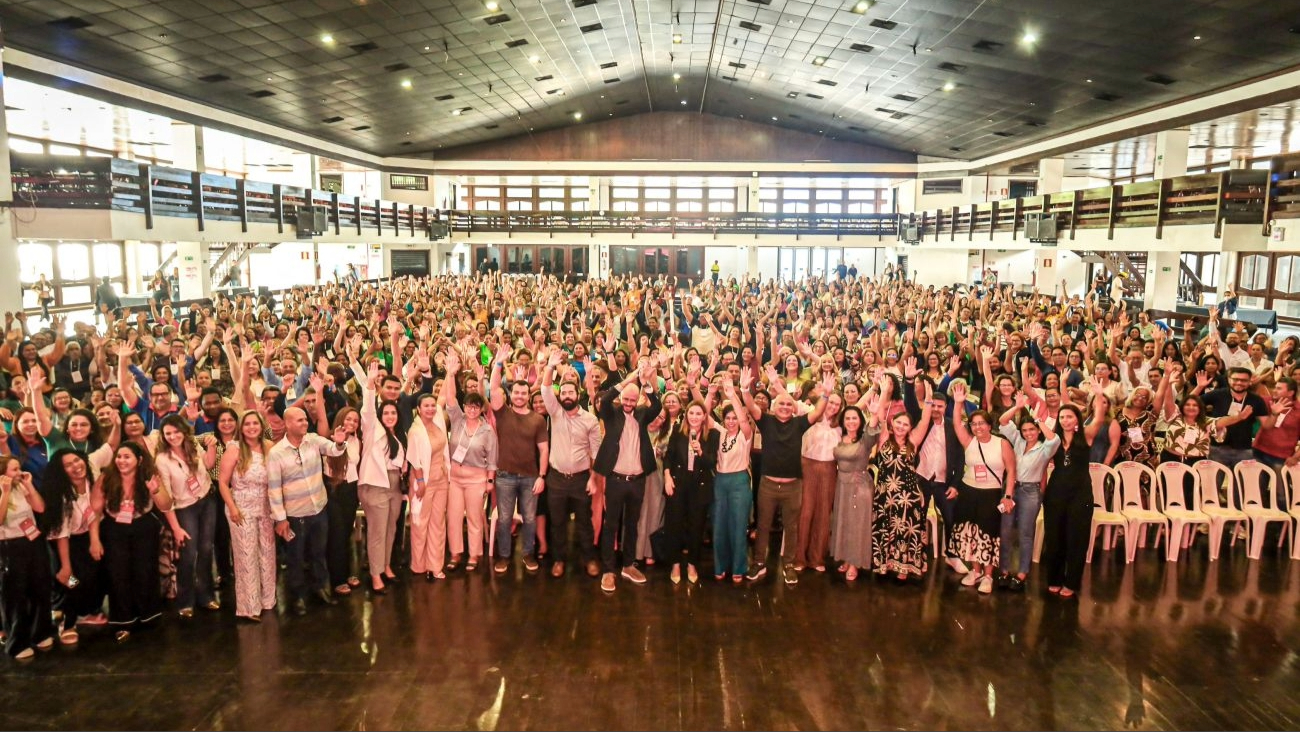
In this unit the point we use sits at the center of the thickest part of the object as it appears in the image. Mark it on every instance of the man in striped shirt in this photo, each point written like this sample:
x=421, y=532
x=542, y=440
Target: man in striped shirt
x=297, y=494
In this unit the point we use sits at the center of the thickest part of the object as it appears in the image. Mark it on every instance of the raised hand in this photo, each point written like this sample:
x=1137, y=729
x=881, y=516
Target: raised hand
x=910, y=369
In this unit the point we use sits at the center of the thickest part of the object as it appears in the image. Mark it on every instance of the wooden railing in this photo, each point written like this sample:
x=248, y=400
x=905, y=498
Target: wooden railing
x=592, y=222
x=1238, y=196
x=1232, y=197
x=50, y=181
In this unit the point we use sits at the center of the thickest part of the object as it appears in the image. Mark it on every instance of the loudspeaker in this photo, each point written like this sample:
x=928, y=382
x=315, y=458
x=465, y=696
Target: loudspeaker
x=1040, y=228
x=312, y=221
x=910, y=233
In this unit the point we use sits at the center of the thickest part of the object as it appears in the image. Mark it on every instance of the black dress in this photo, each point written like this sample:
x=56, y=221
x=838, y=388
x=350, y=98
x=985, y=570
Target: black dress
x=687, y=508
x=1067, y=514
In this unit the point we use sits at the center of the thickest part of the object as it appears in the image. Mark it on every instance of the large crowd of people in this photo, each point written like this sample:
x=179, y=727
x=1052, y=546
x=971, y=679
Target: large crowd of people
x=154, y=459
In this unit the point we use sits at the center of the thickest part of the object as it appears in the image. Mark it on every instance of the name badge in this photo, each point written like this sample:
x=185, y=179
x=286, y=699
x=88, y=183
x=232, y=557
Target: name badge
x=981, y=472
x=29, y=528
x=174, y=369
x=1235, y=408
x=126, y=513
x=1190, y=436
x=192, y=483
x=1135, y=434
x=75, y=376
x=459, y=455
x=216, y=372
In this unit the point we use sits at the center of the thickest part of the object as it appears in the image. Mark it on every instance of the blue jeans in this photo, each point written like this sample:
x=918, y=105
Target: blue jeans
x=305, y=555
x=194, y=568
x=1028, y=498
x=512, y=488
x=732, y=501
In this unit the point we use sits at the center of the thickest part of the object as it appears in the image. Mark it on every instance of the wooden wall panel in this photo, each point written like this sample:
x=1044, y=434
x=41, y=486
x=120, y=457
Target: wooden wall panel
x=676, y=136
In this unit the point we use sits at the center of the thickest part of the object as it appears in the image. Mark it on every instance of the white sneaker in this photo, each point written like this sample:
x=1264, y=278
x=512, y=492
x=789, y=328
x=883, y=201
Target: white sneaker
x=970, y=579
x=958, y=565
x=986, y=585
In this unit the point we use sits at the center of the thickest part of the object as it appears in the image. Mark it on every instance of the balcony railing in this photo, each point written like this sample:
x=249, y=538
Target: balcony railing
x=591, y=223
x=66, y=182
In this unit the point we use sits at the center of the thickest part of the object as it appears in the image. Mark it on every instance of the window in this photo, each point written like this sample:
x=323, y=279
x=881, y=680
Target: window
x=722, y=207
x=517, y=205
x=25, y=146
x=408, y=182
x=795, y=207
x=551, y=206
x=1288, y=274
x=794, y=193
x=828, y=208
x=74, y=262
x=519, y=192
x=722, y=194
x=626, y=193
x=862, y=208
x=1254, y=272
x=690, y=206
x=831, y=195
x=487, y=204
x=656, y=206
x=108, y=260
x=33, y=260
x=767, y=206
x=690, y=193
x=938, y=186
x=551, y=193
x=578, y=205
x=767, y=194
x=627, y=206
x=658, y=193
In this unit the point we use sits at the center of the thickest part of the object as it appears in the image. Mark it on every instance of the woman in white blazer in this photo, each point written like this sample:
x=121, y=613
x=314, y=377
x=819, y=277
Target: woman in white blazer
x=430, y=478
x=379, y=478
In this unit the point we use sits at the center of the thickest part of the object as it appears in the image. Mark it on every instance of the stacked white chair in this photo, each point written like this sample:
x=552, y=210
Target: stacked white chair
x=1171, y=500
x=1250, y=475
x=1135, y=511
x=1215, y=475
x=1104, y=513
x=1291, y=486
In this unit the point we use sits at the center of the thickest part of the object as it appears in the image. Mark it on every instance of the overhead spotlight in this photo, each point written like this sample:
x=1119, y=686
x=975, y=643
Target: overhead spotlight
x=819, y=61
x=862, y=6
x=492, y=6
x=1196, y=38
x=683, y=102
x=534, y=59
x=677, y=38
x=406, y=83
x=327, y=38
x=774, y=119
x=677, y=77
x=1029, y=38
x=949, y=86
x=577, y=115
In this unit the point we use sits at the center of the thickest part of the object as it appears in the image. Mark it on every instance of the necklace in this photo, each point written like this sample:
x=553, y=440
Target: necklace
x=727, y=446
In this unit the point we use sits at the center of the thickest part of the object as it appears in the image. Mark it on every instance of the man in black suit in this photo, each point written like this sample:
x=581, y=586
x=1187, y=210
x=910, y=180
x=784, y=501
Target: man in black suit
x=625, y=458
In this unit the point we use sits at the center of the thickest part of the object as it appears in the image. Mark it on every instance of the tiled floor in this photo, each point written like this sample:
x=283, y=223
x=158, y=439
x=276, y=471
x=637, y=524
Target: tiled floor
x=1191, y=645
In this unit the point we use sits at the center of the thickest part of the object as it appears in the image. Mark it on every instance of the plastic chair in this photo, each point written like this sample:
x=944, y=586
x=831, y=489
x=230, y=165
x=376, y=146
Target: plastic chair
x=1104, y=514
x=1171, y=500
x=1249, y=475
x=1132, y=508
x=1290, y=477
x=1216, y=481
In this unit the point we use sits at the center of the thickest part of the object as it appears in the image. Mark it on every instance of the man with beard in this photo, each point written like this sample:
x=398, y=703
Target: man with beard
x=522, y=463
x=570, y=484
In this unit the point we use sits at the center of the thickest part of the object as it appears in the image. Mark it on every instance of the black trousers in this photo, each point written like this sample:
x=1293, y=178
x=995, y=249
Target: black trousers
x=565, y=496
x=342, y=510
x=398, y=557
x=1066, y=524
x=221, y=540
x=131, y=553
x=622, y=511
x=685, y=512
x=25, y=593
x=87, y=598
x=937, y=491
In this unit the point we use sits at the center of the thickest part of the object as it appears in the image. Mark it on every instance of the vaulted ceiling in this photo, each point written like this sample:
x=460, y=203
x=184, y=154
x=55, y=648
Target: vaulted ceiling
x=945, y=78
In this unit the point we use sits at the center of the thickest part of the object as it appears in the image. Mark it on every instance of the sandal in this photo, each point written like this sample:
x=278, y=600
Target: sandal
x=1054, y=590
x=737, y=579
x=471, y=565
x=454, y=564
x=850, y=574
x=68, y=637
x=1066, y=593
x=343, y=589
x=354, y=582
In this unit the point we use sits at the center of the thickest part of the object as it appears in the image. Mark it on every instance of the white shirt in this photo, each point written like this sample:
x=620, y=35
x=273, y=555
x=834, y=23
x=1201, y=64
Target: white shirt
x=933, y=460
x=820, y=440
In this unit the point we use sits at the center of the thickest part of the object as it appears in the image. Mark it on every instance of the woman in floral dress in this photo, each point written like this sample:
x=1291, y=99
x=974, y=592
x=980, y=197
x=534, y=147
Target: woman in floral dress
x=898, y=526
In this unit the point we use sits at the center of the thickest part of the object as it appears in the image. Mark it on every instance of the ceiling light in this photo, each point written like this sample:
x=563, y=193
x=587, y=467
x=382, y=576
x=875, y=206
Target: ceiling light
x=534, y=59
x=677, y=77
x=268, y=78
x=774, y=119
x=683, y=102
x=1196, y=38
x=406, y=83
x=426, y=48
x=1088, y=80
x=1029, y=38
x=862, y=6
x=327, y=38
x=577, y=115
x=677, y=37
x=949, y=86
x=492, y=6
x=819, y=61
x=454, y=113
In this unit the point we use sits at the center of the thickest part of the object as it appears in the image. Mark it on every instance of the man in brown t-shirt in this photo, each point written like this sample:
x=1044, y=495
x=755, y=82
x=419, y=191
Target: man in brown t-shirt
x=523, y=452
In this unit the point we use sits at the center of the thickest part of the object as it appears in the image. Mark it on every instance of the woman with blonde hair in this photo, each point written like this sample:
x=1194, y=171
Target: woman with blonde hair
x=430, y=461
x=243, y=486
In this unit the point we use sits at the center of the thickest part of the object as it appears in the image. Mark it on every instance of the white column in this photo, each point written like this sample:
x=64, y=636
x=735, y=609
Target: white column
x=753, y=185
x=1050, y=173
x=751, y=262
x=1162, y=280
x=185, y=141
x=11, y=293
x=1171, y=153
x=195, y=277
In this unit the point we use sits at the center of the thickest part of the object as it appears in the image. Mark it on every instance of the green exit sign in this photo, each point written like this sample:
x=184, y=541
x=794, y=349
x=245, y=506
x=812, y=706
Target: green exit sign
x=1166, y=269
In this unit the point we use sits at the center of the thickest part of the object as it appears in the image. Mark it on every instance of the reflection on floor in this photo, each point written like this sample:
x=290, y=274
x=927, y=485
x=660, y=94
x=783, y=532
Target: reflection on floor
x=1191, y=645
